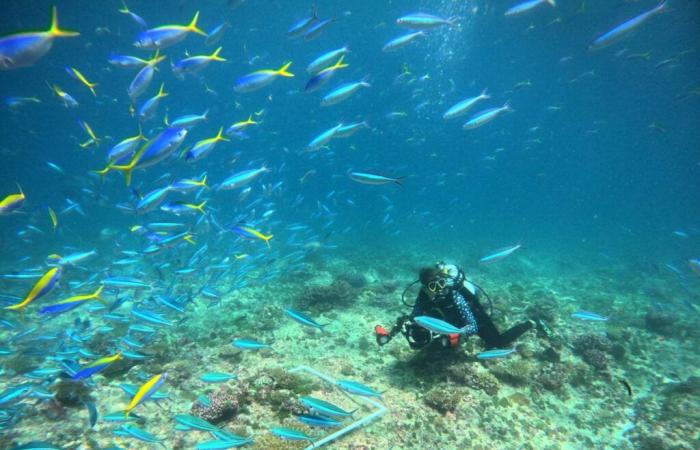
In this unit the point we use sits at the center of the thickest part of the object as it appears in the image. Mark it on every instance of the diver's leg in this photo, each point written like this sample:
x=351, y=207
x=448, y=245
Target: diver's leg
x=514, y=333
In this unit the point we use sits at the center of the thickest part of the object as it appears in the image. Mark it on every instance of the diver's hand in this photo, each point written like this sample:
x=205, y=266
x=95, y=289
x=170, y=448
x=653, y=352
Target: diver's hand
x=381, y=335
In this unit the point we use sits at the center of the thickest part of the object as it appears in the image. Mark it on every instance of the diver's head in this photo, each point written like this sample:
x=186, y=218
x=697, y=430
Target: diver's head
x=433, y=280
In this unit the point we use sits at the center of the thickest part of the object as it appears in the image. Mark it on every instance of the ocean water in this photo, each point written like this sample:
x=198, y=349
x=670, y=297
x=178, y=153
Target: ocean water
x=590, y=182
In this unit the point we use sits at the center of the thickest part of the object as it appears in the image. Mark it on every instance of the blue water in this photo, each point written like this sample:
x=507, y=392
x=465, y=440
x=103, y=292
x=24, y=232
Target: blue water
x=598, y=160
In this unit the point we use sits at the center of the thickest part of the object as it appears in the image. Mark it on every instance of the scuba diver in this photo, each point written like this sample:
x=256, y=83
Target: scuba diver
x=447, y=295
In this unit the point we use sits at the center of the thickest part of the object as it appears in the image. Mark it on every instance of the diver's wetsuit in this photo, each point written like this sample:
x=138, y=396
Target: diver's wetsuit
x=460, y=307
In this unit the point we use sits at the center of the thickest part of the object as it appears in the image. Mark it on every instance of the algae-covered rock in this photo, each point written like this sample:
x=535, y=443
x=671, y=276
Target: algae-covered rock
x=473, y=377
x=661, y=322
x=443, y=398
x=514, y=371
x=552, y=376
x=322, y=298
x=593, y=349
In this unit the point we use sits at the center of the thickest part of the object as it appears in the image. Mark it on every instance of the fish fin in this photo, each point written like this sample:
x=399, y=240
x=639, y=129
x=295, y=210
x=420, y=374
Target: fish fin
x=215, y=56
x=193, y=25
x=283, y=70
x=161, y=93
x=219, y=136
x=55, y=31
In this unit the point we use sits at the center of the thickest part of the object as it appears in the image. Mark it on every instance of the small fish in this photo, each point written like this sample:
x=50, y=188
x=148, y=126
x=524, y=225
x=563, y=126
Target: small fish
x=195, y=423
x=145, y=392
x=528, y=5
x=216, y=34
x=322, y=77
x=317, y=28
x=189, y=120
x=216, y=377
x=179, y=208
x=301, y=26
x=150, y=106
x=167, y=35
x=326, y=60
x=318, y=421
x=93, y=139
x=499, y=254
x=135, y=17
x=324, y=407
x=440, y=326
x=152, y=152
x=248, y=344
x=495, y=353
x=95, y=367
x=194, y=64
x=486, y=116
x=248, y=232
x=241, y=178
x=343, y=92
x=464, y=106
x=70, y=303
x=422, y=21
x=42, y=287
x=73, y=72
x=373, y=179
x=589, y=316
x=202, y=148
x=143, y=78
x=66, y=98
x=290, y=434
x=261, y=78
x=303, y=319
x=322, y=139
x=353, y=387
x=626, y=28
x=186, y=185
x=138, y=433
x=348, y=130
x=12, y=202
x=401, y=41
x=24, y=49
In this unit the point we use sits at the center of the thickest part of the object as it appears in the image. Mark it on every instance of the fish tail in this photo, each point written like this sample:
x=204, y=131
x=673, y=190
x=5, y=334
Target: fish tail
x=189, y=238
x=340, y=64
x=452, y=21
x=397, y=180
x=128, y=169
x=200, y=207
x=552, y=2
x=193, y=25
x=283, y=70
x=97, y=293
x=219, y=135
x=215, y=56
x=55, y=31
x=161, y=93
x=266, y=239
x=103, y=172
x=203, y=182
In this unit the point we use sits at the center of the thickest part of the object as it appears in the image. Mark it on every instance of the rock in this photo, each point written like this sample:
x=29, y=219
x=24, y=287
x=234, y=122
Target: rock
x=660, y=322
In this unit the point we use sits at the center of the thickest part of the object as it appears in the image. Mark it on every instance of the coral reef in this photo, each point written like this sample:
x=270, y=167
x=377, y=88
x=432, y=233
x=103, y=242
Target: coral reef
x=661, y=322
x=593, y=349
x=322, y=298
x=442, y=398
x=514, y=371
x=552, y=376
x=225, y=403
x=472, y=377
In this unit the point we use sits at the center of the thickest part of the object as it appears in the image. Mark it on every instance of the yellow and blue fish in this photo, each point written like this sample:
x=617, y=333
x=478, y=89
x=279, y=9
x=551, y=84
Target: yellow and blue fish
x=24, y=49
x=42, y=287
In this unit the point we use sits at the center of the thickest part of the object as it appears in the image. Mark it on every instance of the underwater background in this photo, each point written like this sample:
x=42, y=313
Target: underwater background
x=594, y=173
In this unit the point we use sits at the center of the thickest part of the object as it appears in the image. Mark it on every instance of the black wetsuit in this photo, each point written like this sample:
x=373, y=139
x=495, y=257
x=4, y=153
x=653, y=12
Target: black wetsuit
x=460, y=308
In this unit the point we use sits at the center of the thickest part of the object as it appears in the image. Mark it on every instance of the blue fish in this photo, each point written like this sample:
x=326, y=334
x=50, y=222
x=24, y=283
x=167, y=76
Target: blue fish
x=304, y=319
x=248, y=344
x=290, y=434
x=589, y=316
x=353, y=387
x=495, y=353
x=261, y=78
x=24, y=49
x=167, y=35
x=625, y=28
